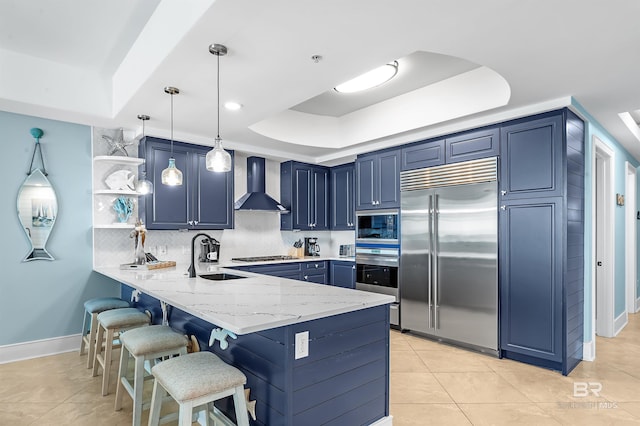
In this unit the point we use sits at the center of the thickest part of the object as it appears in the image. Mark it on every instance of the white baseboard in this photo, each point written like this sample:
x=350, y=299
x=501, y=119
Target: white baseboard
x=589, y=351
x=619, y=323
x=39, y=348
x=385, y=421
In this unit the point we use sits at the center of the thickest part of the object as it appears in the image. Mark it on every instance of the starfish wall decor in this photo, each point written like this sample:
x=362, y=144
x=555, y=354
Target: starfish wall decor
x=117, y=143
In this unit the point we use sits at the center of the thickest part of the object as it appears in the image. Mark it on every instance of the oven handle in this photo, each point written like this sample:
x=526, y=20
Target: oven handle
x=377, y=260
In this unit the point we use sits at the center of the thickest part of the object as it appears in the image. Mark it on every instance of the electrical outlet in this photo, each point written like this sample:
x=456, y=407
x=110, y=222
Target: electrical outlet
x=302, y=344
x=162, y=249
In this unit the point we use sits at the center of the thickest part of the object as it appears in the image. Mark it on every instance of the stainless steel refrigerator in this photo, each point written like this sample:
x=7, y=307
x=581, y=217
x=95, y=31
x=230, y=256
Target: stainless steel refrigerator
x=449, y=253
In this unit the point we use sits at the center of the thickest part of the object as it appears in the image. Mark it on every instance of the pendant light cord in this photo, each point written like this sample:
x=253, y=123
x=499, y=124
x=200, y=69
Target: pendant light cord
x=218, y=89
x=145, y=160
x=172, y=125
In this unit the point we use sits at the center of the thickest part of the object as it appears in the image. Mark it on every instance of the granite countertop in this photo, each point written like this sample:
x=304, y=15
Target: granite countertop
x=246, y=305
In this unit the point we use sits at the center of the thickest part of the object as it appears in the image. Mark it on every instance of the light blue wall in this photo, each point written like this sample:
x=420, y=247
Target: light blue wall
x=593, y=128
x=41, y=299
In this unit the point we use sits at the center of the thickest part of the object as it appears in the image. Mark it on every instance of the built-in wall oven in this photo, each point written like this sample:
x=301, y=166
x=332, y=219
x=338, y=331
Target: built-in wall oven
x=377, y=271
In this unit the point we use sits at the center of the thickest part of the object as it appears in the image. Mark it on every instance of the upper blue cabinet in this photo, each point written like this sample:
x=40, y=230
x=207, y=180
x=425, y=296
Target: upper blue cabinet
x=480, y=143
x=423, y=154
x=305, y=192
x=378, y=180
x=203, y=201
x=472, y=145
x=343, y=197
x=531, y=158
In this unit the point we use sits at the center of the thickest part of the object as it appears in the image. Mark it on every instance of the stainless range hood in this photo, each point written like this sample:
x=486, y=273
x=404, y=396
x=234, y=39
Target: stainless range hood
x=256, y=198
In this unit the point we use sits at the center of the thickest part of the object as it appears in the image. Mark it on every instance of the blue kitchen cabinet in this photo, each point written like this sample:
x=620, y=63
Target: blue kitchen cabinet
x=531, y=302
x=422, y=154
x=482, y=143
x=541, y=246
x=378, y=180
x=531, y=158
x=282, y=270
x=343, y=197
x=203, y=201
x=343, y=273
x=315, y=272
x=305, y=192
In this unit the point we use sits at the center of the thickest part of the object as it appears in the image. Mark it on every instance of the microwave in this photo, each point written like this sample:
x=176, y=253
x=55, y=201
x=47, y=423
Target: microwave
x=377, y=226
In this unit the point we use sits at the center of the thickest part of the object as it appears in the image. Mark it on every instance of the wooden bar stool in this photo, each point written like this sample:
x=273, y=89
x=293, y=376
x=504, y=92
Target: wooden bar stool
x=144, y=343
x=93, y=307
x=197, y=379
x=115, y=320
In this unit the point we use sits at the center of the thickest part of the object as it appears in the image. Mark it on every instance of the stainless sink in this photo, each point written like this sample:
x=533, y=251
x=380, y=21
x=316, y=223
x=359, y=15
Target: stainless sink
x=220, y=276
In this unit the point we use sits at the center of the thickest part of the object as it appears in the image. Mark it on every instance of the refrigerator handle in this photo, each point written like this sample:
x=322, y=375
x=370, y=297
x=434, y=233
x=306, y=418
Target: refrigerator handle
x=435, y=255
x=430, y=265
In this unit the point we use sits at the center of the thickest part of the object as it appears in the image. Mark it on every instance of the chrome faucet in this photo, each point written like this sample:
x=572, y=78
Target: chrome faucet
x=192, y=267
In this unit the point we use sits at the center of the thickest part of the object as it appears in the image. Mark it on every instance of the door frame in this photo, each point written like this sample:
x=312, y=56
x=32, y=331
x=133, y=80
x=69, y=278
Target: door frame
x=606, y=304
x=631, y=239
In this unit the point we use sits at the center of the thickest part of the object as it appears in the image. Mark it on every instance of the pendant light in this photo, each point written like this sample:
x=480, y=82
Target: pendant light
x=218, y=160
x=144, y=185
x=172, y=176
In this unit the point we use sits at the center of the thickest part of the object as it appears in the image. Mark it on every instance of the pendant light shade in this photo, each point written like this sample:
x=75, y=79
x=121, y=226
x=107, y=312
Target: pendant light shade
x=144, y=185
x=172, y=176
x=218, y=160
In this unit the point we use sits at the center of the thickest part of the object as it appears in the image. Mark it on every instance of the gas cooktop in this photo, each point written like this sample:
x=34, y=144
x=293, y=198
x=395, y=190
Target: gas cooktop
x=262, y=258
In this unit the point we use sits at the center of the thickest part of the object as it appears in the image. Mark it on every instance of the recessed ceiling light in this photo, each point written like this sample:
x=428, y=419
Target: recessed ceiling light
x=369, y=79
x=233, y=106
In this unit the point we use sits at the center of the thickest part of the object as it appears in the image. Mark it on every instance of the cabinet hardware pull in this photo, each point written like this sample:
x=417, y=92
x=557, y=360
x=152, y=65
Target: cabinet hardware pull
x=503, y=208
x=306, y=277
x=503, y=192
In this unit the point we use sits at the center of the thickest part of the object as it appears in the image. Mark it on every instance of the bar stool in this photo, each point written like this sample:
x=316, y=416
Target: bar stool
x=197, y=379
x=94, y=307
x=144, y=343
x=115, y=320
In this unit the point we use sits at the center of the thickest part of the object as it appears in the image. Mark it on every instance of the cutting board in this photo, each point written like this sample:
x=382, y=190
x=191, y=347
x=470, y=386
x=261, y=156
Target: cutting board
x=149, y=265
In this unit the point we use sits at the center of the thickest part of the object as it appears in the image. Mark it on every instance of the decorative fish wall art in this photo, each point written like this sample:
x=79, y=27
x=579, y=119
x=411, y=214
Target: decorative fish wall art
x=37, y=206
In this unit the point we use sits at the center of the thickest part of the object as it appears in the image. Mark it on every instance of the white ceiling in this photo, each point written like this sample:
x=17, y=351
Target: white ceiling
x=103, y=63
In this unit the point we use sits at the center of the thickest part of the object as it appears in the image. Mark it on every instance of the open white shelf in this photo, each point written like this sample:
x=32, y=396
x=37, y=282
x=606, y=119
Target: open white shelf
x=118, y=159
x=115, y=192
x=115, y=226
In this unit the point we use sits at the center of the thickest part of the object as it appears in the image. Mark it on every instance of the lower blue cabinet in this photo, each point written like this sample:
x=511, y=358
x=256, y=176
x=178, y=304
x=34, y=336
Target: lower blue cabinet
x=343, y=273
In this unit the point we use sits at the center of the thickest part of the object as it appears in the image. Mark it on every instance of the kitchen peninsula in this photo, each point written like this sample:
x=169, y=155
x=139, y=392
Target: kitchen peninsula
x=344, y=379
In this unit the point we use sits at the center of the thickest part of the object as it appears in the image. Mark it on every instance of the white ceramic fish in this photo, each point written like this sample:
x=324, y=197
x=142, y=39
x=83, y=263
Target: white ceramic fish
x=37, y=211
x=120, y=180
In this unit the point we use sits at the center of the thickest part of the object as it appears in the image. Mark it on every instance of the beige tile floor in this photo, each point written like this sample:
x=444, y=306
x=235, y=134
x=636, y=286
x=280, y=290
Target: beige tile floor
x=435, y=384
x=431, y=383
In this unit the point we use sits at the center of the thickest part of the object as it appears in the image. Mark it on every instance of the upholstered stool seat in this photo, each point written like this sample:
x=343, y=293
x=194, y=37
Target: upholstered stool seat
x=144, y=343
x=93, y=307
x=196, y=379
x=115, y=320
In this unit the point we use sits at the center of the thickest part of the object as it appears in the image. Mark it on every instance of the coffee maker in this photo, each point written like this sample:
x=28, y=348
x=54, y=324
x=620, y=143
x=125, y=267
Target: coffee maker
x=209, y=250
x=311, y=246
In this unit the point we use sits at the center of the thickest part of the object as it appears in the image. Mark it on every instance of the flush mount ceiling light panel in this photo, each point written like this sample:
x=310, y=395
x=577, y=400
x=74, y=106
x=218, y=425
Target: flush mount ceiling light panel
x=370, y=79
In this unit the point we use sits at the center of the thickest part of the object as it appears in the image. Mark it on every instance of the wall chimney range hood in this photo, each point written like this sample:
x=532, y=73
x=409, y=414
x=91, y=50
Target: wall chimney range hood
x=256, y=198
